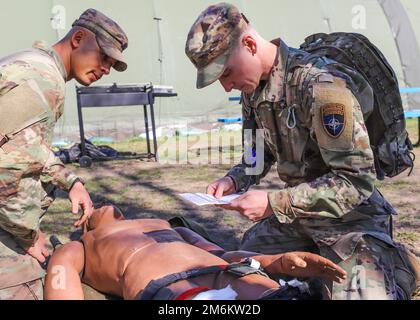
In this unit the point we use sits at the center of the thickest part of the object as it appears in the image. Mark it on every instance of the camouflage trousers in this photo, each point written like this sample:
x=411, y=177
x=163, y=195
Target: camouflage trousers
x=375, y=269
x=20, y=274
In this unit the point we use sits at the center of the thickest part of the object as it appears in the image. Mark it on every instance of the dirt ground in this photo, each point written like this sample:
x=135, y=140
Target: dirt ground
x=145, y=189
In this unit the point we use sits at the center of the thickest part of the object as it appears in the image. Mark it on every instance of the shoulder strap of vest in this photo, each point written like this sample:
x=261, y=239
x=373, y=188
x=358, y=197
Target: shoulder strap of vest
x=301, y=68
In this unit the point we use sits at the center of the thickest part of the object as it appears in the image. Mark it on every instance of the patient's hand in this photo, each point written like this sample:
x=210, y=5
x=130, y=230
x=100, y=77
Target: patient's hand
x=302, y=264
x=38, y=250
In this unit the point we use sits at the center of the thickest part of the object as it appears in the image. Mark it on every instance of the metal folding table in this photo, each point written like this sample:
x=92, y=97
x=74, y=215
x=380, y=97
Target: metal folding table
x=120, y=96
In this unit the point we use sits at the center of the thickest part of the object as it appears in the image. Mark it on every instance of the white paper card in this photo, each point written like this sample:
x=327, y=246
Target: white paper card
x=202, y=199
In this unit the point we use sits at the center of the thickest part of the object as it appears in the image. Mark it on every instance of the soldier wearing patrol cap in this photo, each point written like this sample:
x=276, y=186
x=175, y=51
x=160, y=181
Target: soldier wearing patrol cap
x=32, y=89
x=313, y=127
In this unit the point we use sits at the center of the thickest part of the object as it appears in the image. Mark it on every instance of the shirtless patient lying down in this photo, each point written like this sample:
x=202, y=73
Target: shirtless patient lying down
x=147, y=259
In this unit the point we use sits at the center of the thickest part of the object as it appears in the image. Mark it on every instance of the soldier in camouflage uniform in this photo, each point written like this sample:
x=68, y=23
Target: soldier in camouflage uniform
x=314, y=130
x=32, y=89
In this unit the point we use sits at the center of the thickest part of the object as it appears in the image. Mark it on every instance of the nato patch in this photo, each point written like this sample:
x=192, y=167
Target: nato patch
x=333, y=119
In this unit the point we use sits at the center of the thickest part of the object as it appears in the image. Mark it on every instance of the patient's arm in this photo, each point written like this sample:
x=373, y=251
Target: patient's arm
x=296, y=264
x=302, y=264
x=196, y=240
x=63, y=276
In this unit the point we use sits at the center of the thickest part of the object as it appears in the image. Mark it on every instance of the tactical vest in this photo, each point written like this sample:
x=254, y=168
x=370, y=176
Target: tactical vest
x=368, y=74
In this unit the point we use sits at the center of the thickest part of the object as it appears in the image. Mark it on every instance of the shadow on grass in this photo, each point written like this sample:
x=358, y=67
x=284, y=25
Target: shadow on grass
x=214, y=221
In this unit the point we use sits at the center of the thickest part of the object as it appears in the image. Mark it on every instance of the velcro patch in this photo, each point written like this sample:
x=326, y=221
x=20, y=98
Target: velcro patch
x=333, y=116
x=21, y=107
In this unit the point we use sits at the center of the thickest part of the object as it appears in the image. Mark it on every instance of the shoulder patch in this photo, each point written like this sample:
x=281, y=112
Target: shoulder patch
x=333, y=116
x=334, y=119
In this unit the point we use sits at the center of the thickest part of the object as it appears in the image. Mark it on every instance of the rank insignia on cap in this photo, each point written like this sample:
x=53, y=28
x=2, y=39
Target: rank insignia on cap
x=333, y=117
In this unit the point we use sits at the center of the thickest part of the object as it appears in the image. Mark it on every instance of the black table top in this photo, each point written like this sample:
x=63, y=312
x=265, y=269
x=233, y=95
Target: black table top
x=131, y=88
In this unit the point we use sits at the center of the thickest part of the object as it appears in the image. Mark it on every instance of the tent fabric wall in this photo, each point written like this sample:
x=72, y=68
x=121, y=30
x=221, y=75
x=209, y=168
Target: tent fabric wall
x=152, y=40
x=407, y=45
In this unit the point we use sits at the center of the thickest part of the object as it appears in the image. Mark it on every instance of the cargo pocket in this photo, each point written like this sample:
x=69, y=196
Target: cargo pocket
x=294, y=136
x=404, y=277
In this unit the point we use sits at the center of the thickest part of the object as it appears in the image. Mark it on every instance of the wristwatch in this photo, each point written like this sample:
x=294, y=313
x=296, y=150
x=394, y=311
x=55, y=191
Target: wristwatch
x=77, y=180
x=253, y=263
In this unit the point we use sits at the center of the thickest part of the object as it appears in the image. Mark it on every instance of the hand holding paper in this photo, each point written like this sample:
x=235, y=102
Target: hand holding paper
x=202, y=199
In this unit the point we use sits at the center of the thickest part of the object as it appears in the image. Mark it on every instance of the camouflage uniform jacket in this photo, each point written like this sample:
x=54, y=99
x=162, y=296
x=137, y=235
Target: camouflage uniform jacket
x=32, y=89
x=328, y=177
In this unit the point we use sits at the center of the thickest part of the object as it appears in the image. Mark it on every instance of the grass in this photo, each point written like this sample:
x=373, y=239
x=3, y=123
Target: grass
x=412, y=129
x=147, y=174
x=405, y=205
x=408, y=236
x=405, y=217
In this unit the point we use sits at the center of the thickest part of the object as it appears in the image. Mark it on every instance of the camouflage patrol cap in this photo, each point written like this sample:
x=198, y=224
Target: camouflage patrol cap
x=211, y=40
x=111, y=38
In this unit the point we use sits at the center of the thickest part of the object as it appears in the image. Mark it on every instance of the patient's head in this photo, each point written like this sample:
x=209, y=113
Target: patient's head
x=104, y=215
